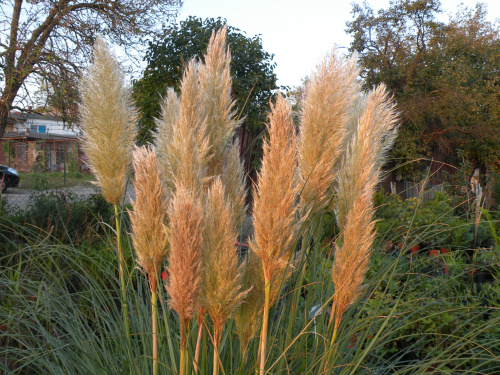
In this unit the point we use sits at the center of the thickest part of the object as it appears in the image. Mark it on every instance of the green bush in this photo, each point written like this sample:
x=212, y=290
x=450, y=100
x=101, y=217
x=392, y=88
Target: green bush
x=62, y=214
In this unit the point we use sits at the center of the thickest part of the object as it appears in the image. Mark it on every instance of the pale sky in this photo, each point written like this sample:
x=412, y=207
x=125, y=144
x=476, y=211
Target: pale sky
x=298, y=33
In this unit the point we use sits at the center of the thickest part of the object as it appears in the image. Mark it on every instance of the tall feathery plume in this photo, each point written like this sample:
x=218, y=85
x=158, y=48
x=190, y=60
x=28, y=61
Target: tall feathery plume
x=221, y=287
x=170, y=113
x=186, y=239
x=324, y=125
x=180, y=140
x=150, y=234
x=248, y=318
x=108, y=120
x=360, y=173
x=275, y=206
x=216, y=101
x=233, y=178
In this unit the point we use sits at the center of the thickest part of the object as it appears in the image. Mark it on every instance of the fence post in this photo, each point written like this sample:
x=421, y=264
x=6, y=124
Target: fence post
x=9, y=152
x=65, y=159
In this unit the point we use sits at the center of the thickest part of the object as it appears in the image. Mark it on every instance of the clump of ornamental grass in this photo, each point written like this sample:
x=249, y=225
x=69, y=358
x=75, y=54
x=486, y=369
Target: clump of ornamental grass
x=108, y=120
x=184, y=268
x=193, y=139
x=324, y=125
x=360, y=173
x=275, y=207
x=150, y=234
x=221, y=287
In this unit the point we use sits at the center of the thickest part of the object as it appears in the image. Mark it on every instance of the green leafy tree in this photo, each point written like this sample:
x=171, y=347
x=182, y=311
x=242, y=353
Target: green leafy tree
x=252, y=69
x=445, y=77
x=52, y=39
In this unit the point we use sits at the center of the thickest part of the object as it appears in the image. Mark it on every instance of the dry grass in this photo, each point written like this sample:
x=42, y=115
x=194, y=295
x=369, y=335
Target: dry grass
x=108, y=120
x=233, y=179
x=216, y=101
x=276, y=193
x=248, y=319
x=221, y=288
x=180, y=141
x=329, y=95
x=360, y=173
x=149, y=215
x=186, y=239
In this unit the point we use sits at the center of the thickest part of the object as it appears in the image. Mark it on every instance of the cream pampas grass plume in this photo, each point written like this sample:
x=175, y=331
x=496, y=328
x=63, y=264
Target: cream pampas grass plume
x=233, y=178
x=275, y=205
x=360, y=173
x=248, y=318
x=150, y=234
x=221, y=287
x=216, y=101
x=329, y=95
x=180, y=140
x=186, y=239
x=108, y=120
x=148, y=217
x=165, y=125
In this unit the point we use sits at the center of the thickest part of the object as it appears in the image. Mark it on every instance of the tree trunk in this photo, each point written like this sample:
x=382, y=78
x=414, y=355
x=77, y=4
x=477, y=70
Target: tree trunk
x=4, y=115
x=6, y=100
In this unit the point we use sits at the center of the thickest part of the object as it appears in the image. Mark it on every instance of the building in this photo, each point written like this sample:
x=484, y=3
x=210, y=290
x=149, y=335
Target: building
x=38, y=143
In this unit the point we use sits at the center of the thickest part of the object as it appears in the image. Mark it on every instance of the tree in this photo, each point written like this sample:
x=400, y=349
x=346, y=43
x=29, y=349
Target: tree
x=445, y=76
x=45, y=38
x=252, y=69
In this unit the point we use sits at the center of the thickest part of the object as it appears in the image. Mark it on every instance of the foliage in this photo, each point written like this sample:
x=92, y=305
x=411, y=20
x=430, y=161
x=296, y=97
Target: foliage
x=61, y=214
x=252, y=69
x=48, y=40
x=443, y=75
x=54, y=180
x=59, y=314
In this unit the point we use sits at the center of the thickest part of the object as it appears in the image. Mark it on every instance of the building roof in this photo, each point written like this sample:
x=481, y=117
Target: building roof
x=38, y=136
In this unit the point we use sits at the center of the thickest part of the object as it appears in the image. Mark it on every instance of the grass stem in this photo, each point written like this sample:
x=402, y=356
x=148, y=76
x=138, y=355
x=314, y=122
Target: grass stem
x=198, y=346
x=265, y=322
x=154, y=315
x=122, y=274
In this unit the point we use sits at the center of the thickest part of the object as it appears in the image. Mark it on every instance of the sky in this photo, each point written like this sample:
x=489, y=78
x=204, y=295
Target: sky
x=299, y=33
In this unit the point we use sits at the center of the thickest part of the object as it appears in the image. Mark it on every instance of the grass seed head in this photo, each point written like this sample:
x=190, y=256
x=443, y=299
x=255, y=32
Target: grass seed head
x=108, y=119
x=186, y=239
x=366, y=151
x=148, y=218
x=216, y=102
x=276, y=193
x=221, y=288
x=330, y=92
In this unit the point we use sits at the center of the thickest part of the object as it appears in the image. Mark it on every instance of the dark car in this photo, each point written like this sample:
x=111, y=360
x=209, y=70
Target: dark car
x=8, y=177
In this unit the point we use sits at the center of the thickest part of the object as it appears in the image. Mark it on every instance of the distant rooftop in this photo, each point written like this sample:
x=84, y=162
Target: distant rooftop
x=38, y=136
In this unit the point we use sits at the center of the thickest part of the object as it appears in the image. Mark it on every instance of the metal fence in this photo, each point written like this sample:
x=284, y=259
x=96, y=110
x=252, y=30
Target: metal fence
x=46, y=167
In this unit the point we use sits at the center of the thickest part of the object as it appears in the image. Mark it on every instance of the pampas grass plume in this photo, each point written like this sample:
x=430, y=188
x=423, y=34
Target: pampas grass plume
x=276, y=192
x=108, y=120
x=216, y=102
x=360, y=173
x=324, y=125
x=148, y=218
x=221, y=292
x=186, y=239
